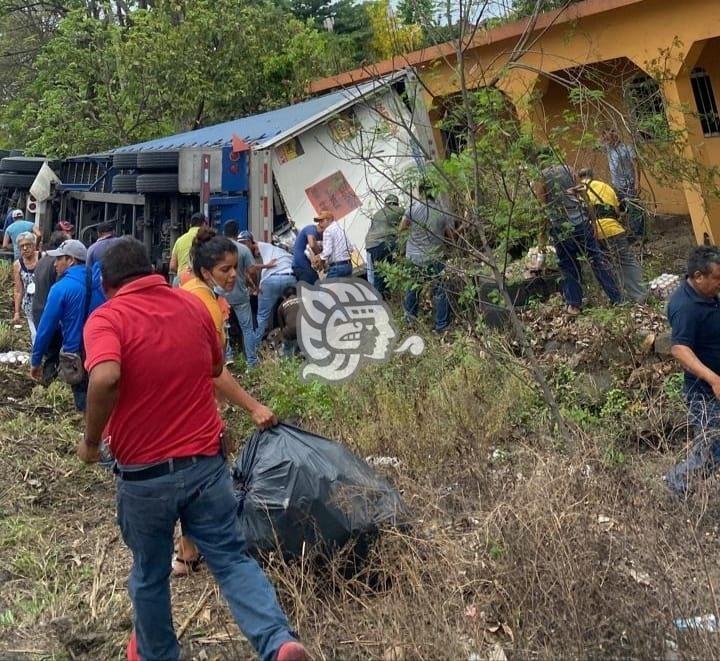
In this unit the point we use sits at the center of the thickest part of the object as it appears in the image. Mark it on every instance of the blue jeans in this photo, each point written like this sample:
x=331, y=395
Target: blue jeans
x=271, y=289
x=304, y=274
x=79, y=391
x=339, y=271
x=570, y=245
x=704, y=456
x=201, y=497
x=243, y=314
x=381, y=253
x=618, y=251
x=441, y=305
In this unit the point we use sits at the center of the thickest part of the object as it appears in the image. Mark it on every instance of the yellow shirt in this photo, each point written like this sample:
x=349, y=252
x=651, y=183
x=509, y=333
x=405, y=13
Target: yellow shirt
x=198, y=288
x=182, y=246
x=601, y=193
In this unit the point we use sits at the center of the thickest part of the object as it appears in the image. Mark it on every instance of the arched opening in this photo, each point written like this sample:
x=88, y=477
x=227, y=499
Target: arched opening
x=645, y=101
x=451, y=116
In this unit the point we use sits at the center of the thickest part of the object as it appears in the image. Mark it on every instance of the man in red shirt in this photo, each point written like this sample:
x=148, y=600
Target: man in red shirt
x=152, y=353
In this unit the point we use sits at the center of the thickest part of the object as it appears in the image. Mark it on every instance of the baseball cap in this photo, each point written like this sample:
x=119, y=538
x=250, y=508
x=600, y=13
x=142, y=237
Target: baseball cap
x=246, y=235
x=17, y=213
x=324, y=215
x=70, y=248
x=392, y=199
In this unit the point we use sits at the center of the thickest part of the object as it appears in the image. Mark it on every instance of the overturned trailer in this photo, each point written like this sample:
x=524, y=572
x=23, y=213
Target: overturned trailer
x=341, y=152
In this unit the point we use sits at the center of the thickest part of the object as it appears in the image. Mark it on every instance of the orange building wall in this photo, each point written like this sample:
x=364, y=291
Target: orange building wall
x=672, y=35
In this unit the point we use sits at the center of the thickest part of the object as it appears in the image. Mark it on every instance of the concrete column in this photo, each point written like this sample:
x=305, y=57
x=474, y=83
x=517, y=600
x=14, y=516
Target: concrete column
x=525, y=89
x=704, y=209
x=703, y=206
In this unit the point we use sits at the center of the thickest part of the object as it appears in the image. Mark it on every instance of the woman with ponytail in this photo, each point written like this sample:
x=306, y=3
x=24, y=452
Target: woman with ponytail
x=214, y=270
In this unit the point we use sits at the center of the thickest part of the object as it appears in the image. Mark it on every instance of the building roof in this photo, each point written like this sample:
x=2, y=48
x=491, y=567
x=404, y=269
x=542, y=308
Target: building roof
x=425, y=56
x=268, y=128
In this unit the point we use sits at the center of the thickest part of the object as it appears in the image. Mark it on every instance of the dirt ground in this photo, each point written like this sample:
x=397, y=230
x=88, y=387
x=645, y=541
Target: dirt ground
x=521, y=549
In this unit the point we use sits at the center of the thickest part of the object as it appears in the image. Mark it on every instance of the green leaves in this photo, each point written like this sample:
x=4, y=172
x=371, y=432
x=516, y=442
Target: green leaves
x=101, y=82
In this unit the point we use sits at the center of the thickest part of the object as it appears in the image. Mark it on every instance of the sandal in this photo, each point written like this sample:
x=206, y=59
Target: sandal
x=182, y=567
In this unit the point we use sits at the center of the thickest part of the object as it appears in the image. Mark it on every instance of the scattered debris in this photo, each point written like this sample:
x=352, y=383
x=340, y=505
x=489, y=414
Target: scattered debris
x=15, y=358
x=589, y=343
x=373, y=460
x=699, y=623
x=664, y=285
x=605, y=522
x=499, y=455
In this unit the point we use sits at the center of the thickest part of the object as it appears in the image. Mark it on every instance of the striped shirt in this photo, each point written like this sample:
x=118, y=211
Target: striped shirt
x=336, y=245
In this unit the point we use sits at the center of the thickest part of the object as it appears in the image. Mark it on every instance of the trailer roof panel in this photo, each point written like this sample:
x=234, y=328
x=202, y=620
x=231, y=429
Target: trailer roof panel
x=264, y=129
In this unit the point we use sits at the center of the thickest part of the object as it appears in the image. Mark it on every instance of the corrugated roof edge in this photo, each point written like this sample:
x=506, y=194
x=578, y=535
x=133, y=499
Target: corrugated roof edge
x=345, y=98
x=368, y=88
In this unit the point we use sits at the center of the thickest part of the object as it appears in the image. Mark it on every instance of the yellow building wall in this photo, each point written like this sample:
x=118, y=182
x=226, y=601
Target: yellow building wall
x=650, y=34
x=710, y=61
x=661, y=197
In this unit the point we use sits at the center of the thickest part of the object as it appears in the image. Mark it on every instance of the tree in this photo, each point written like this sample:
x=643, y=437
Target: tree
x=522, y=8
x=418, y=12
x=390, y=36
x=101, y=82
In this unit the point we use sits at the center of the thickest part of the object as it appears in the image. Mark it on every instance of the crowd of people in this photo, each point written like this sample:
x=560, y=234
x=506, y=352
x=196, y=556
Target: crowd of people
x=251, y=284
x=147, y=360
x=102, y=320
x=589, y=218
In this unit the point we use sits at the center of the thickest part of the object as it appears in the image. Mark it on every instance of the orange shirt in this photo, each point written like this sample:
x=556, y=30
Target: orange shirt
x=217, y=306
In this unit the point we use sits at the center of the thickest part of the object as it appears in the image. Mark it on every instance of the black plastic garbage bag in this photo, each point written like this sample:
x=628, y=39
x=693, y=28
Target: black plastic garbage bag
x=296, y=487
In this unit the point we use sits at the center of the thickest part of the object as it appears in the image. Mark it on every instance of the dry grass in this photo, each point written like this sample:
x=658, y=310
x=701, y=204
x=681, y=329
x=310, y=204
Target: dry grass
x=516, y=543
x=520, y=546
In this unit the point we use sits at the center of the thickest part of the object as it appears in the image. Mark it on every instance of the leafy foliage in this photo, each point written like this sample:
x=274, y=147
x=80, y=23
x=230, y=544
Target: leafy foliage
x=100, y=82
x=390, y=35
x=493, y=162
x=521, y=8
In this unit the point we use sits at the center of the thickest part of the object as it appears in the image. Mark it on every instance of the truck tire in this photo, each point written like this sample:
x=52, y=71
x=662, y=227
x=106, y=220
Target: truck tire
x=8, y=180
x=157, y=183
x=165, y=161
x=124, y=183
x=21, y=164
x=125, y=161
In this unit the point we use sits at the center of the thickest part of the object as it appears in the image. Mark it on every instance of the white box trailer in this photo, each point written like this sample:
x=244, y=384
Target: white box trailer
x=341, y=152
x=345, y=160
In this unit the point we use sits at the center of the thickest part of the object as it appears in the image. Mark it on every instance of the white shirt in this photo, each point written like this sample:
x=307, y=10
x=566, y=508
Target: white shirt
x=336, y=246
x=283, y=265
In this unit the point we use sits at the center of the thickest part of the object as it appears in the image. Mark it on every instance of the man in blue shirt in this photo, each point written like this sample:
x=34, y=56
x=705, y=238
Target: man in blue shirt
x=15, y=229
x=67, y=308
x=694, y=314
x=106, y=238
x=9, y=217
x=308, y=236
